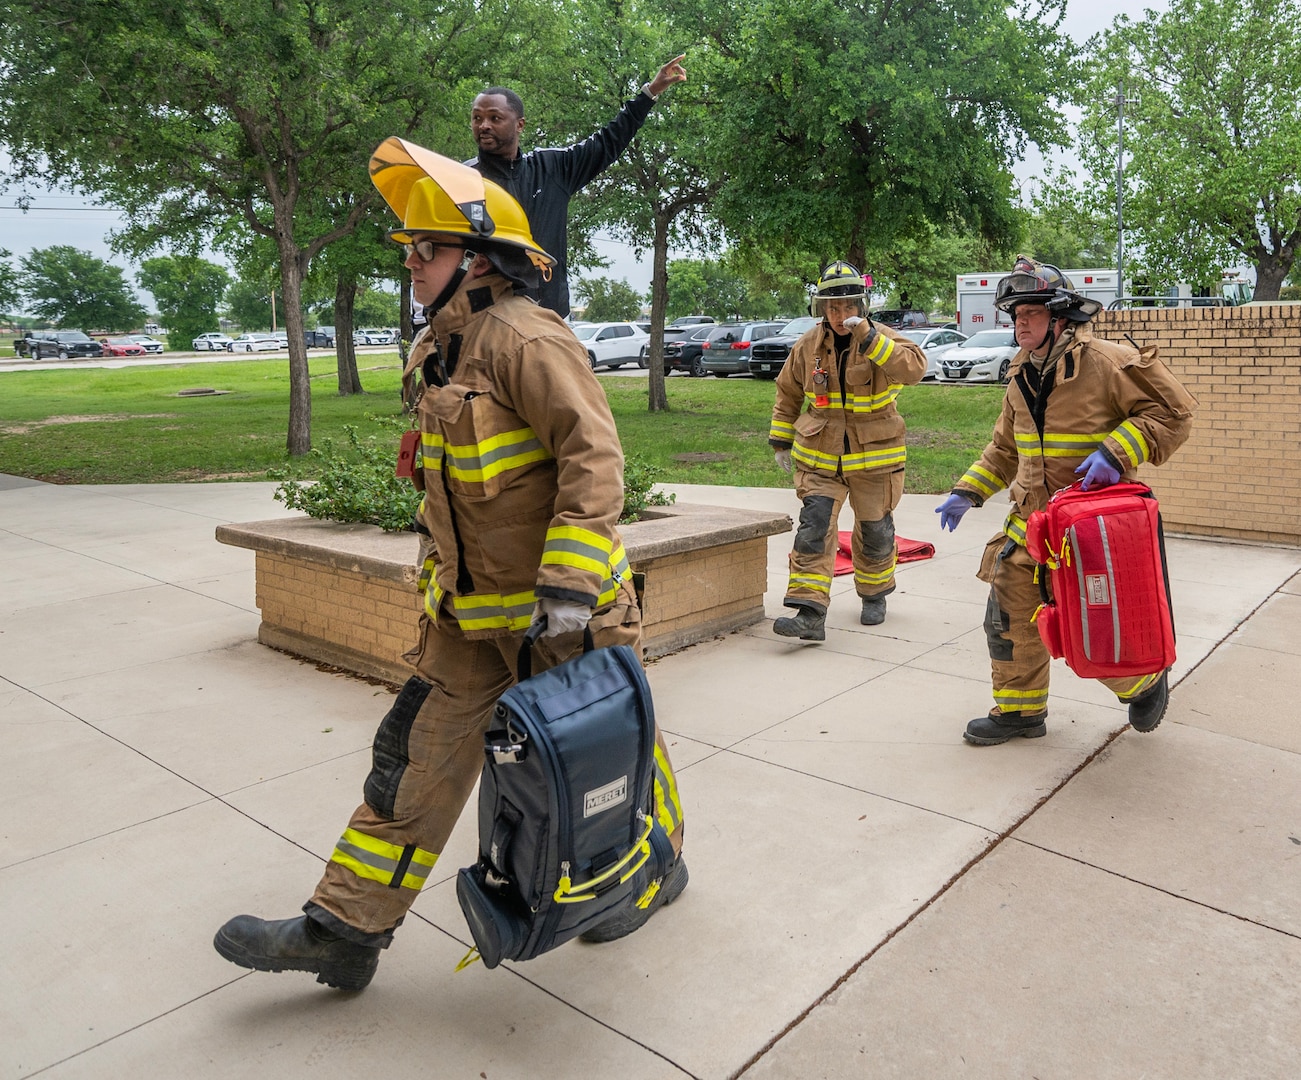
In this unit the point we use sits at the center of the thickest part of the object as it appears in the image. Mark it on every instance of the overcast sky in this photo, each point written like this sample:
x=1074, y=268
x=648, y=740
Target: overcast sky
x=67, y=219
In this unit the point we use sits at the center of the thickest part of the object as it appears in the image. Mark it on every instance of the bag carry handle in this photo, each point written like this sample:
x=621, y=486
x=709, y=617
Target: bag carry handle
x=524, y=664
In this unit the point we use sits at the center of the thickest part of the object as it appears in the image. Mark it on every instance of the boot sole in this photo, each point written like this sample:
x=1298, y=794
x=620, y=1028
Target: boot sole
x=1036, y=732
x=1152, y=725
x=351, y=977
x=815, y=636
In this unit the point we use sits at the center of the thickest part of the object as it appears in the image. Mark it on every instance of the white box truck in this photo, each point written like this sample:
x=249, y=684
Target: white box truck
x=976, y=309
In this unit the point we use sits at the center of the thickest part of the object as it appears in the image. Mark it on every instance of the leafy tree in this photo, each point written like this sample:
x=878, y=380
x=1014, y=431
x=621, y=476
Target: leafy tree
x=1213, y=136
x=187, y=290
x=846, y=128
x=607, y=300
x=248, y=303
x=188, y=115
x=74, y=288
x=375, y=307
x=9, y=291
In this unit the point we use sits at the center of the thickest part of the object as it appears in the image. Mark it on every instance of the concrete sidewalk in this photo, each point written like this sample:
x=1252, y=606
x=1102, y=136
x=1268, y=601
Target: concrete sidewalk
x=870, y=897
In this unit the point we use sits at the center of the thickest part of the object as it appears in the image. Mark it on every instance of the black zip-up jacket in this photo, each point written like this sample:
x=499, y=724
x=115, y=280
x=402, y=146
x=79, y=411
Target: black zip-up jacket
x=544, y=180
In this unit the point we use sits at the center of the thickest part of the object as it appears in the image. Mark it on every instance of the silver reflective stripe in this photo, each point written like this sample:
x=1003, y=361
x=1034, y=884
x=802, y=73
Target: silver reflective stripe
x=379, y=862
x=1111, y=585
x=1084, y=594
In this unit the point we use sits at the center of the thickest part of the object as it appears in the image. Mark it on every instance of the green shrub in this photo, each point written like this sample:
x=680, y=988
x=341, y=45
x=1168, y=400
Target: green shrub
x=357, y=482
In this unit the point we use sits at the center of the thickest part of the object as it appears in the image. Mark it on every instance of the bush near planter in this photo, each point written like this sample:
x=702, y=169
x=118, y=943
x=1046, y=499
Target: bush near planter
x=357, y=482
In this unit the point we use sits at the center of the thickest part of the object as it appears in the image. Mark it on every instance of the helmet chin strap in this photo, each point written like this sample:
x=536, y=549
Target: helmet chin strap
x=463, y=268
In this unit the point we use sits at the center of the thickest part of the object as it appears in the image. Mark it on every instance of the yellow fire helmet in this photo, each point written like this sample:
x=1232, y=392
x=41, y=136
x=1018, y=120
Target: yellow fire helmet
x=431, y=193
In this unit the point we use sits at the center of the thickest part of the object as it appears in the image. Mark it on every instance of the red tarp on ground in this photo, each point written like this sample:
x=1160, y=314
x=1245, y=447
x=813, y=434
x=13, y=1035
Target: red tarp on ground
x=909, y=551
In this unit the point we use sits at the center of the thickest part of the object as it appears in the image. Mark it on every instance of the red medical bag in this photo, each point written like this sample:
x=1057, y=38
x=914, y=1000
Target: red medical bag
x=1103, y=578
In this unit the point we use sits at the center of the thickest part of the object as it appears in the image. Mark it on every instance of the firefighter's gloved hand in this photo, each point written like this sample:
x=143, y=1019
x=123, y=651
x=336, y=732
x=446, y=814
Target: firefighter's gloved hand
x=951, y=511
x=853, y=321
x=563, y=616
x=1098, y=471
x=783, y=459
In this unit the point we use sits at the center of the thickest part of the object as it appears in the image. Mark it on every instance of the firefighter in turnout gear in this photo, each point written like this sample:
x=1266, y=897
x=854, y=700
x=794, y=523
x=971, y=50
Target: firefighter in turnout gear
x=835, y=421
x=522, y=475
x=1076, y=408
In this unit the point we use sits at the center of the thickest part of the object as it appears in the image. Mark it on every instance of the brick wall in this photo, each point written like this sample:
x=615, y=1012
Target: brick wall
x=1238, y=473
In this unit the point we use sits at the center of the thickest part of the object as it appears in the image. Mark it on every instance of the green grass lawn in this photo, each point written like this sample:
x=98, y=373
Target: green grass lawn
x=128, y=425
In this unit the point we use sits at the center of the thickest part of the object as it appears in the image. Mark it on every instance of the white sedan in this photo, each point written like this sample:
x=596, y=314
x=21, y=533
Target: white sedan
x=982, y=358
x=256, y=343
x=211, y=342
x=150, y=345
x=935, y=342
x=612, y=344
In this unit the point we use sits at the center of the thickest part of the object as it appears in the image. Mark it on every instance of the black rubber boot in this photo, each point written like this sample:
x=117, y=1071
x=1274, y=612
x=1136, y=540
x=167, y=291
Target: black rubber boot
x=300, y=944
x=807, y=625
x=1146, y=710
x=999, y=727
x=625, y=922
x=873, y=613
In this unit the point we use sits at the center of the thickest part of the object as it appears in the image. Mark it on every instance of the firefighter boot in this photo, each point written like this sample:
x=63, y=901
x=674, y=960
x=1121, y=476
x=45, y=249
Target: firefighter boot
x=999, y=726
x=624, y=923
x=807, y=625
x=300, y=944
x=1146, y=710
x=873, y=613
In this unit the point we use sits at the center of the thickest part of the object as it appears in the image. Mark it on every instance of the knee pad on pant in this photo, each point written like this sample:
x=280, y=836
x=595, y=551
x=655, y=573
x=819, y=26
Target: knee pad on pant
x=389, y=752
x=996, y=625
x=877, y=538
x=815, y=519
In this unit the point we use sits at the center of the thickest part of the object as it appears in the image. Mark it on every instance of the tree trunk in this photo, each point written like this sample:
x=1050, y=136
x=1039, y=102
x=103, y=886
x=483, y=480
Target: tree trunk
x=1271, y=271
x=292, y=270
x=657, y=395
x=407, y=327
x=345, y=293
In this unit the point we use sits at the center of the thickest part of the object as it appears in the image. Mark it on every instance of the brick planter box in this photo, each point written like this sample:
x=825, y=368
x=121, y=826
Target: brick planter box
x=346, y=594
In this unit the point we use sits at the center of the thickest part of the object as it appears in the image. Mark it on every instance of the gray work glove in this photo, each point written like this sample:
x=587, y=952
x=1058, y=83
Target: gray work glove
x=783, y=459
x=563, y=616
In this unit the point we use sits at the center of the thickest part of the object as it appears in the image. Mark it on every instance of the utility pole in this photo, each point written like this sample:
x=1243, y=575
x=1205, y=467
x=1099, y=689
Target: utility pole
x=1119, y=102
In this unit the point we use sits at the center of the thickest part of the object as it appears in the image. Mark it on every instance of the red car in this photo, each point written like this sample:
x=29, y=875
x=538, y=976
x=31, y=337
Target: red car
x=121, y=346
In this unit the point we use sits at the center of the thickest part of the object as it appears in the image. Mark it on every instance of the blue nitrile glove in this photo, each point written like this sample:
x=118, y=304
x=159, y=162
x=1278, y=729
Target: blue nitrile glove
x=563, y=616
x=1098, y=471
x=951, y=511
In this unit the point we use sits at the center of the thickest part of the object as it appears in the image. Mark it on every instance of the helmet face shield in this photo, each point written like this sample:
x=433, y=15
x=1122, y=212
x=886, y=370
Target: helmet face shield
x=1031, y=282
x=838, y=281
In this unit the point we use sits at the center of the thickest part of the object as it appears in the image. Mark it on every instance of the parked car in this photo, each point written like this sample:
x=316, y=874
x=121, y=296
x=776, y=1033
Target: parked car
x=982, y=358
x=935, y=342
x=149, y=344
x=767, y=357
x=120, y=346
x=282, y=338
x=317, y=339
x=727, y=349
x=900, y=318
x=612, y=344
x=254, y=343
x=328, y=333
x=376, y=336
x=684, y=353
x=680, y=328
x=211, y=342
x=65, y=344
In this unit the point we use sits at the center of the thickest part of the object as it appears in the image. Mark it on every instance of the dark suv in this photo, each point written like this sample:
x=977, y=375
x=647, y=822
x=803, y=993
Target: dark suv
x=901, y=318
x=769, y=355
x=683, y=354
x=727, y=349
x=64, y=344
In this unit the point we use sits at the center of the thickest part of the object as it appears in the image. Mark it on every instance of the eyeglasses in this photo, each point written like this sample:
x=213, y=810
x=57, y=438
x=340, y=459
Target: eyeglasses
x=424, y=250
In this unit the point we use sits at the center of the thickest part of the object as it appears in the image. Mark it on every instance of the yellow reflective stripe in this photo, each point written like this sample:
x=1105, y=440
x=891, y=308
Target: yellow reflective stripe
x=867, y=403
x=433, y=600
x=431, y=451
x=874, y=459
x=1032, y=701
x=880, y=352
x=1014, y=527
x=879, y=577
x=811, y=400
x=782, y=431
x=1143, y=683
x=377, y=860
x=818, y=583
x=426, y=574
x=814, y=459
x=982, y=480
x=1132, y=442
x=569, y=545
x=479, y=462
x=668, y=807
x=1057, y=444
x=492, y=611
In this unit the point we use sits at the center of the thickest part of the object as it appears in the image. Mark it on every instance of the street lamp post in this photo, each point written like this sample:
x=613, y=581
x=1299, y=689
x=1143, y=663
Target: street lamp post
x=1120, y=189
